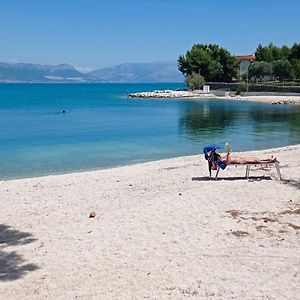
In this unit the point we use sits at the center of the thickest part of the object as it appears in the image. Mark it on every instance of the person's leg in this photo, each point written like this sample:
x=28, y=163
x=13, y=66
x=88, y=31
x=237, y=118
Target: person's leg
x=266, y=160
x=234, y=159
x=209, y=168
x=252, y=160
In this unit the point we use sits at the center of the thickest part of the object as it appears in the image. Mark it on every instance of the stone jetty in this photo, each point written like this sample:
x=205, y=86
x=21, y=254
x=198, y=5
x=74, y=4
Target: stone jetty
x=169, y=94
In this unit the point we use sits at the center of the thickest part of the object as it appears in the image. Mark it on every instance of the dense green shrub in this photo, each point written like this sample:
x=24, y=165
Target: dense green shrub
x=195, y=81
x=211, y=61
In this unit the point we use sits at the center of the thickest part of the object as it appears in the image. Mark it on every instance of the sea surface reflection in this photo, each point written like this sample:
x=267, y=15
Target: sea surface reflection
x=246, y=125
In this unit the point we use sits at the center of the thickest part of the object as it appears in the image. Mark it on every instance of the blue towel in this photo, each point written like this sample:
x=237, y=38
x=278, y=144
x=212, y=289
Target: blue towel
x=221, y=164
x=208, y=149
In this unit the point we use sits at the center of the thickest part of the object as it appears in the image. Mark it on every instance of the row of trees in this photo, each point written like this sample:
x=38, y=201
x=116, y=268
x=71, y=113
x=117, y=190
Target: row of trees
x=282, y=63
x=272, y=53
x=216, y=64
x=280, y=69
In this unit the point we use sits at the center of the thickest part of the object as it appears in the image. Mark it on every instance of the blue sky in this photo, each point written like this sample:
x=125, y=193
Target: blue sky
x=90, y=34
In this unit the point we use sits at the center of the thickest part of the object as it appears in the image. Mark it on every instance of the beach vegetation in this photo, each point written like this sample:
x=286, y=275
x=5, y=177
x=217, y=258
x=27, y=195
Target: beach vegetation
x=260, y=69
x=295, y=59
x=214, y=63
x=295, y=51
x=241, y=88
x=283, y=70
x=272, y=53
x=296, y=68
x=285, y=61
x=195, y=81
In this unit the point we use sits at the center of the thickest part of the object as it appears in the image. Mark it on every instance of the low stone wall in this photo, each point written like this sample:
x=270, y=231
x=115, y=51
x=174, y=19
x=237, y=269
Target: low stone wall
x=253, y=87
x=274, y=89
x=221, y=93
x=267, y=94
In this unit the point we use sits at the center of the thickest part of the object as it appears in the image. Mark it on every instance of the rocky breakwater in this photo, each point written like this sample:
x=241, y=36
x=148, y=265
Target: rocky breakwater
x=284, y=102
x=168, y=94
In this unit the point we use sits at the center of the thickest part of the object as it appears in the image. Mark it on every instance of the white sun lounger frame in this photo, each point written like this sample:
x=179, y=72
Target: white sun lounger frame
x=276, y=164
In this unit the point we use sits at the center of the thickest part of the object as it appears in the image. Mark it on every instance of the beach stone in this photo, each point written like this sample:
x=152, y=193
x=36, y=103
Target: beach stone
x=92, y=214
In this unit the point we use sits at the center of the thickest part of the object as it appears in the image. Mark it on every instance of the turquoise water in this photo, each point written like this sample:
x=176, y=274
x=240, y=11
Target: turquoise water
x=101, y=128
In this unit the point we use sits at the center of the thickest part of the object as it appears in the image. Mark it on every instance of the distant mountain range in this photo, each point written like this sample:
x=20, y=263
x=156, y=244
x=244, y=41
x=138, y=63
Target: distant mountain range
x=40, y=73
x=140, y=72
x=124, y=73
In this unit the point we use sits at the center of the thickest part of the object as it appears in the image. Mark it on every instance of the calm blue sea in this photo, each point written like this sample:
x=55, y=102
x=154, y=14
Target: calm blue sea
x=101, y=128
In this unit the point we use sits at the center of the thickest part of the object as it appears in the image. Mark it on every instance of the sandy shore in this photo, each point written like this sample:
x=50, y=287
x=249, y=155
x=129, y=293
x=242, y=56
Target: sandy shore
x=162, y=230
x=267, y=99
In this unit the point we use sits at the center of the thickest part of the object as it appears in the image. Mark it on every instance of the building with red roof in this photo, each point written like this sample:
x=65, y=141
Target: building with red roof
x=245, y=61
x=246, y=57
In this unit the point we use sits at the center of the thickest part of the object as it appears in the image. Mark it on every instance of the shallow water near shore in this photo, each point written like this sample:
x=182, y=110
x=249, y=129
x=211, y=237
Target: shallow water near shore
x=101, y=128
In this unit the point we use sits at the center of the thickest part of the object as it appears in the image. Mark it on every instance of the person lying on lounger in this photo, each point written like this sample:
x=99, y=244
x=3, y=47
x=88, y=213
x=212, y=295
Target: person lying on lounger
x=235, y=159
x=215, y=160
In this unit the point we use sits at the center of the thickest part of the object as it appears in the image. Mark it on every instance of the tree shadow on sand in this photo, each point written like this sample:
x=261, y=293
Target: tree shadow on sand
x=12, y=265
x=292, y=182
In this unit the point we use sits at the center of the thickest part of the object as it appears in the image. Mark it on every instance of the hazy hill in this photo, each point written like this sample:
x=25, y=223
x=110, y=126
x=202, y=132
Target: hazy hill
x=23, y=72
x=140, y=72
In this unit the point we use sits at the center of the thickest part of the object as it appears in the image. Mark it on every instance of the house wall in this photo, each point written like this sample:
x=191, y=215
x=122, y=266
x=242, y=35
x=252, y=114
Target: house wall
x=244, y=64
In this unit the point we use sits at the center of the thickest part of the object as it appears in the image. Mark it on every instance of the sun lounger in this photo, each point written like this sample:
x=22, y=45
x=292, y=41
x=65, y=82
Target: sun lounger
x=215, y=163
x=263, y=165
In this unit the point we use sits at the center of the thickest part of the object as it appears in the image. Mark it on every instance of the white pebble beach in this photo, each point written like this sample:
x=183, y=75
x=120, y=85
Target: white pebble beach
x=158, y=230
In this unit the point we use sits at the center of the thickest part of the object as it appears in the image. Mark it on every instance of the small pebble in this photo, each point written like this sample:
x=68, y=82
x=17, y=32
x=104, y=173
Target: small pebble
x=92, y=214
